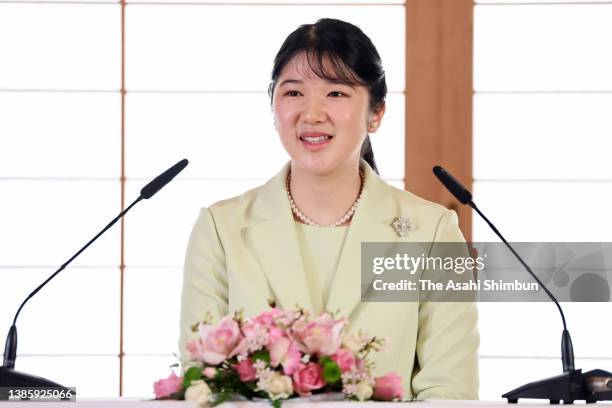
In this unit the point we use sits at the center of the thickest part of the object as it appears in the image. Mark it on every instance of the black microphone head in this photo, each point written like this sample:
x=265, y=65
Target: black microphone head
x=456, y=188
x=160, y=181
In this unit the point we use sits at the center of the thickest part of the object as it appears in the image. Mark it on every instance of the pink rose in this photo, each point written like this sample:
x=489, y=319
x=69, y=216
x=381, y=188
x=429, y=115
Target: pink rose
x=194, y=347
x=345, y=359
x=285, y=352
x=291, y=362
x=165, y=387
x=321, y=336
x=278, y=350
x=309, y=377
x=218, y=342
x=267, y=318
x=245, y=370
x=388, y=387
x=275, y=333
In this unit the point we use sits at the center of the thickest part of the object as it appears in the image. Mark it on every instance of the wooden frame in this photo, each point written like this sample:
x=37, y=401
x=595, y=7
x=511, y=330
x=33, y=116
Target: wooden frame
x=439, y=91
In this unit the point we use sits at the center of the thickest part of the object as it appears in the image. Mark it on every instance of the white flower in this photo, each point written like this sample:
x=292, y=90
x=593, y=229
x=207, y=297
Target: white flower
x=363, y=391
x=351, y=343
x=384, y=344
x=278, y=386
x=198, y=392
x=259, y=365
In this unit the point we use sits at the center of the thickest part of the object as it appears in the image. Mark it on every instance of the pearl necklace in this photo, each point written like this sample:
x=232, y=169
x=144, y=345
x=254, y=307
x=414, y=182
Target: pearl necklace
x=303, y=218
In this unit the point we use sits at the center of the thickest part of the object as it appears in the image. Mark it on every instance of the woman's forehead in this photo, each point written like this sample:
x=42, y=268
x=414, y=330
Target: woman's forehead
x=313, y=68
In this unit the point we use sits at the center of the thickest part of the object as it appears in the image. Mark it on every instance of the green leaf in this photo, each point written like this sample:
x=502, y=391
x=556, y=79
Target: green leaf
x=324, y=360
x=277, y=403
x=262, y=355
x=192, y=374
x=331, y=372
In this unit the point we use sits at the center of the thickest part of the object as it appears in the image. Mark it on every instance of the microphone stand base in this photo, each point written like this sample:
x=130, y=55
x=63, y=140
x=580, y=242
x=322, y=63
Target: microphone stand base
x=12, y=378
x=567, y=387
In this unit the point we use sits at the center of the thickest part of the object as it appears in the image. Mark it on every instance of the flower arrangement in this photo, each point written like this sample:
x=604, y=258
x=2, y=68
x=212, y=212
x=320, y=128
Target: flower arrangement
x=279, y=355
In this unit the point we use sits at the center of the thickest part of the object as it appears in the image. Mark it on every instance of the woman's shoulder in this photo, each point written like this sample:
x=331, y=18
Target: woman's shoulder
x=257, y=203
x=234, y=206
x=408, y=202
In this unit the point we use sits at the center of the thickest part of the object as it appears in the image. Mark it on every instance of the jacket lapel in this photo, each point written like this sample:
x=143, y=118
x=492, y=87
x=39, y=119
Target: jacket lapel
x=271, y=238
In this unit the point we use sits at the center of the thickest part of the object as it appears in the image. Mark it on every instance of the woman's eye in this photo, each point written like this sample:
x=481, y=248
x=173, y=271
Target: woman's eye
x=292, y=93
x=336, y=94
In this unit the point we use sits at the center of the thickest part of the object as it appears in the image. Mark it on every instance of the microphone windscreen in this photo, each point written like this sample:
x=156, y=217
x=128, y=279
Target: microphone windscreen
x=160, y=181
x=456, y=188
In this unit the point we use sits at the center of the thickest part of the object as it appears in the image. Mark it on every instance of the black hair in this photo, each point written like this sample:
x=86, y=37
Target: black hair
x=352, y=56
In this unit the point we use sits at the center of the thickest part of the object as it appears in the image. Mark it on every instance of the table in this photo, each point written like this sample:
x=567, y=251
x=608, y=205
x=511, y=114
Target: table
x=139, y=403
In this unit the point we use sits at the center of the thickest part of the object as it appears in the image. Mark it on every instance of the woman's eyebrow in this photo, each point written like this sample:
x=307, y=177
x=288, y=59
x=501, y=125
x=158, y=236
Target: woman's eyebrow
x=291, y=81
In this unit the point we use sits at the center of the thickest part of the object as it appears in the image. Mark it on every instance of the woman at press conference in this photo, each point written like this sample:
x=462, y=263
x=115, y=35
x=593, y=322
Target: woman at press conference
x=297, y=238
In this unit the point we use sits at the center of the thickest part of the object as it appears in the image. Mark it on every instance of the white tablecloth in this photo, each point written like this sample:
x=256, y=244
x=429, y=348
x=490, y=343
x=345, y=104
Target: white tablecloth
x=137, y=403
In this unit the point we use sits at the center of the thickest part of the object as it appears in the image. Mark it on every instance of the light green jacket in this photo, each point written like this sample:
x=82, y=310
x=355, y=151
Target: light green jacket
x=244, y=251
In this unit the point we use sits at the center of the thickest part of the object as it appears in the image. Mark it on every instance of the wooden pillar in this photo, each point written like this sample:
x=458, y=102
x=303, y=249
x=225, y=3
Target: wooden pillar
x=439, y=90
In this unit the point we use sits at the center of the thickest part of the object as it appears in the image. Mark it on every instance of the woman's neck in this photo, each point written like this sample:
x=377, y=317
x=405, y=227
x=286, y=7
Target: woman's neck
x=325, y=198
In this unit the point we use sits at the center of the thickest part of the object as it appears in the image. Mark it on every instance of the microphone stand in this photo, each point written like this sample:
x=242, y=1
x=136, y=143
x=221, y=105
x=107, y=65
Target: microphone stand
x=572, y=385
x=9, y=377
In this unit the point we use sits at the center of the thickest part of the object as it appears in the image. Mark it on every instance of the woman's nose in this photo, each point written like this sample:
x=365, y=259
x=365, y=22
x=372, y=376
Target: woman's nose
x=313, y=112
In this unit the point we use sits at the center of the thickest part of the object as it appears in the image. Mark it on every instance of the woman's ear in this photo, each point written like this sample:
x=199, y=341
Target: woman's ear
x=376, y=118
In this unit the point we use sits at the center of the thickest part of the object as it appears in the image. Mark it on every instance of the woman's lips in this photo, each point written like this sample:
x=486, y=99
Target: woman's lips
x=315, y=141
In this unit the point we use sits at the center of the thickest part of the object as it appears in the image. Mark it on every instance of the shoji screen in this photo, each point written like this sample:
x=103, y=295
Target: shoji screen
x=60, y=154
x=542, y=137
x=195, y=76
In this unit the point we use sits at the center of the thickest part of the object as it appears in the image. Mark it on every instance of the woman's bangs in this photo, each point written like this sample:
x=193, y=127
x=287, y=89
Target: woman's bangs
x=331, y=67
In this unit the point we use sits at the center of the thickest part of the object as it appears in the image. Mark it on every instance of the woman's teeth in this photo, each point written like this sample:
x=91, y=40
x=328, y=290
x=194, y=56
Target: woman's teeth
x=317, y=139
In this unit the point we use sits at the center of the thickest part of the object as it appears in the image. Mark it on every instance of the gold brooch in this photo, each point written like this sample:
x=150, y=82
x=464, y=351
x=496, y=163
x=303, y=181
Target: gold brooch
x=403, y=226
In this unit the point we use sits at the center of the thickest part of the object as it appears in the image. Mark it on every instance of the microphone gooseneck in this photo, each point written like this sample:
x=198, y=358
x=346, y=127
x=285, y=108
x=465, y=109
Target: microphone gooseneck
x=465, y=197
x=10, y=350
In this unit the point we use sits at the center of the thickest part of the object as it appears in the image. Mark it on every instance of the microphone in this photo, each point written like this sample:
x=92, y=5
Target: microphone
x=11, y=378
x=572, y=384
x=456, y=188
x=160, y=181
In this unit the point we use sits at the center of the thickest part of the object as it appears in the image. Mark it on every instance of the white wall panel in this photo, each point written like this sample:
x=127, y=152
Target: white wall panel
x=73, y=46
x=534, y=329
x=43, y=223
x=544, y=211
x=522, y=48
x=71, y=135
x=77, y=312
x=229, y=136
x=157, y=233
x=223, y=135
x=388, y=142
x=233, y=48
x=141, y=371
x=152, y=307
x=93, y=376
x=542, y=136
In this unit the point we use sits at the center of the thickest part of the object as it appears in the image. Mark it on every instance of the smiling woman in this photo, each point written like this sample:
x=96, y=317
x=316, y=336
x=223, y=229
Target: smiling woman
x=297, y=239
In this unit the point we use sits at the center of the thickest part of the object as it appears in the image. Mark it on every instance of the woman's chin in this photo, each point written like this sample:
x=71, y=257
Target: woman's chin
x=319, y=165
